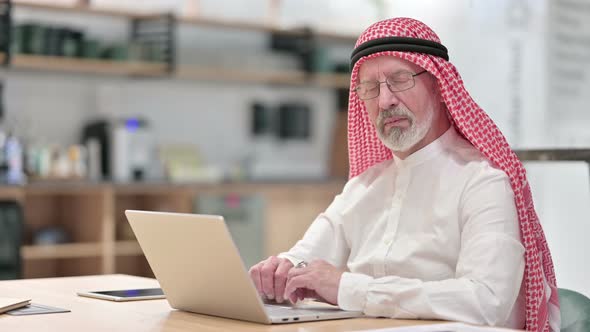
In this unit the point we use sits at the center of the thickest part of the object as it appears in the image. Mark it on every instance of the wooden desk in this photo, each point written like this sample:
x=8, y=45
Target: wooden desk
x=89, y=315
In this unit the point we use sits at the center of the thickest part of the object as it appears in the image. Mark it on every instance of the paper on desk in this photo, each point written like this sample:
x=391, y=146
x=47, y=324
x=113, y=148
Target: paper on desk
x=8, y=303
x=444, y=327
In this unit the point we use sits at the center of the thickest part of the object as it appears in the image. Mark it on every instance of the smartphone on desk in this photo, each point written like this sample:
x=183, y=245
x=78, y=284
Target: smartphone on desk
x=126, y=294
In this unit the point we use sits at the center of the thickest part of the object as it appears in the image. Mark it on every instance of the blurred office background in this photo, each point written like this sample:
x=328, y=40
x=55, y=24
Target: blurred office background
x=239, y=108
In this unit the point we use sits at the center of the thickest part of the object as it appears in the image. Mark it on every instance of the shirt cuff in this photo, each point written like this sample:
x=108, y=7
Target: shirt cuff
x=352, y=292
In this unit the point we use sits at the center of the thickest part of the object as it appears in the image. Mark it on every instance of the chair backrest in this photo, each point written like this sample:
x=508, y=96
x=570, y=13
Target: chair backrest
x=11, y=234
x=575, y=311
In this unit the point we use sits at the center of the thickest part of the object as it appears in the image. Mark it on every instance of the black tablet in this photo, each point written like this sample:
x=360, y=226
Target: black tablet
x=126, y=294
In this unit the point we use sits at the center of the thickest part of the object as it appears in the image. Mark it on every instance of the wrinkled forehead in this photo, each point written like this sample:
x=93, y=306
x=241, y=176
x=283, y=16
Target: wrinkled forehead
x=385, y=65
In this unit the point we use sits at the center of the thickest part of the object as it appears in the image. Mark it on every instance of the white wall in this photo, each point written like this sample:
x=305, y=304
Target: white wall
x=561, y=195
x=481, y=40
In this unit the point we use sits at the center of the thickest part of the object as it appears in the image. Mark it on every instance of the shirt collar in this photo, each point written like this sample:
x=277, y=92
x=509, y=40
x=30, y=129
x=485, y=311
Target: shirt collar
x=429, y=151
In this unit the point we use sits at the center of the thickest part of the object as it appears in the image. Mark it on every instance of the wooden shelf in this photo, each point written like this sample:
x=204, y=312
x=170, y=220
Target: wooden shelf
x=144, y=69
x=251, y=26
x=223, y=74
x=333, y=80
x=338, y=36
x=86, y=66
x=94, y=218
x=198, y=21
x=150, y=69
x=65, y=188
x=16, y=193
x=81, y=9
x=230, y=24
x=127, y=248
x=275, y=77
x=69, y=250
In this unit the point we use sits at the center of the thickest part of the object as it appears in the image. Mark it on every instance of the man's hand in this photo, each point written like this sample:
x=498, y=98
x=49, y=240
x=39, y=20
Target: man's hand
x=318, y=279
x=270, y=277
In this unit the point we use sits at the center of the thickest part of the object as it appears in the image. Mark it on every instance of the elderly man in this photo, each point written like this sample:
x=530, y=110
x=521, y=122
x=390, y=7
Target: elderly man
x=437, y=219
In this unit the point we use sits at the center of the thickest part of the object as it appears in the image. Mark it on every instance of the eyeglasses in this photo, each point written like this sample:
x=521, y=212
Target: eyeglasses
x=399, y=82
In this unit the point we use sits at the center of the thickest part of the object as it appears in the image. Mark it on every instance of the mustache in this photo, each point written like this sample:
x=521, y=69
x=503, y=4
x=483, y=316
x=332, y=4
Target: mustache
x=397, y=111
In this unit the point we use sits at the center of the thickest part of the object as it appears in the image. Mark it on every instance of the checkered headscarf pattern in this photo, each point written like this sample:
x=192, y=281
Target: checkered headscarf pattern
x=365, y=149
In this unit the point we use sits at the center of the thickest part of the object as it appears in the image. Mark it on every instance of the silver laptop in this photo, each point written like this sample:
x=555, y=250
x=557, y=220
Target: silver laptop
x=200, y=270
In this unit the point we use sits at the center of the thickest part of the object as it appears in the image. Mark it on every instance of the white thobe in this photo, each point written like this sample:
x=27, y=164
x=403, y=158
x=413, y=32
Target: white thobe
x=433, y=236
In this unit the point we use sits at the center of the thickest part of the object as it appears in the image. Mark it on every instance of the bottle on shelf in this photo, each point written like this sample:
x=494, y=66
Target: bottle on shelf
x=13, y=151
x=3, y=160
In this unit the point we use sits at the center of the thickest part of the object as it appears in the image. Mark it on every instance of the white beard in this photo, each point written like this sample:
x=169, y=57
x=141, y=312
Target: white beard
x=402, y=139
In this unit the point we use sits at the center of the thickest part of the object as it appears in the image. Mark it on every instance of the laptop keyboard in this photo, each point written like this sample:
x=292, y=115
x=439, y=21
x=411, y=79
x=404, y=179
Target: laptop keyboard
x=282, y=311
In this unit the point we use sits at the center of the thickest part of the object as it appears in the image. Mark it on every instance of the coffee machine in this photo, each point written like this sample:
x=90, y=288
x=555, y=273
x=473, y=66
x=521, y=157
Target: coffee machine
x=126, y=148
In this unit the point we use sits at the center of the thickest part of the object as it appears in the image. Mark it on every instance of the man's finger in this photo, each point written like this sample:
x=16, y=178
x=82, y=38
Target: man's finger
x=301, y=281
x=299, y=294
x=267, y=277
x=281, y=279
x=255, y=276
